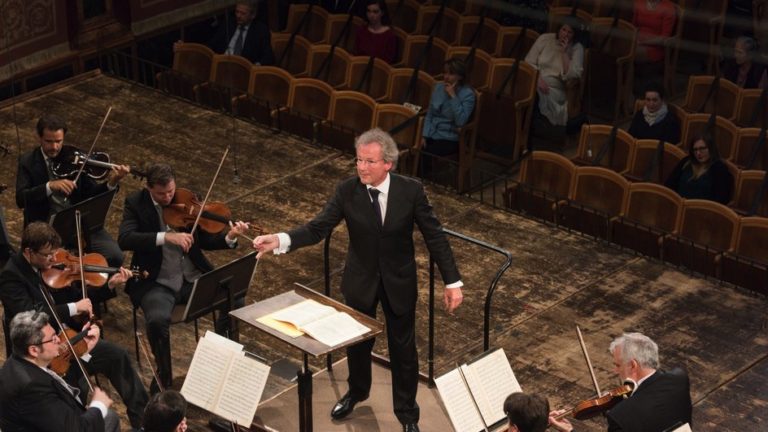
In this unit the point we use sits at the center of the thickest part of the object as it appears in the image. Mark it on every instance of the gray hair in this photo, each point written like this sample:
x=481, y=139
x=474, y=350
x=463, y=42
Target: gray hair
x=27, y=330
x=253, y=6
x=389, y=151
x=638, y=347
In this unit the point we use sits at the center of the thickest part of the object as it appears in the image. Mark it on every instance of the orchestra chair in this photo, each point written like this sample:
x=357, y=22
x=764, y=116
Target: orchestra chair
x=558, y=14
x=725, y=133
x=267, y=91
x=309, y=102
x=374, y=81
x=335, y=65
x=465, y=7
x=748, y=104
x=404, y=14
x=399, y=82
x=447, y=27
x=745, y=190
x=588, y=6
x=508, y=45
x=177, y=317
x=191, y=66
x=747, y=264
x=292, y=57
x=314, y=22
x=505, y=114
x=545, y=180
x=745, y=150
x=652, y=211
x=336, y=24
x=408, y=137
x=597, y=195
x=645, y=153
x=703, y=30
x=596, y=149
x=401, y=36
x=478, y=67
x=487, y=37
x=722, y=100
x=432, y=59
x=351, y=113
x=230, y=76
x=707, y=230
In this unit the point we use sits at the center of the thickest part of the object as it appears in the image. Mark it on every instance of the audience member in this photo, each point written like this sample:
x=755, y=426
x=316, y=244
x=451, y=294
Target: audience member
x=701, y=174
x=742, y=69
x=655, y=21
x=376, y=38
x=248, y=38
x=450, y=108
x=526, y=412
x=166, y=412
x=559, y=57
x=655, y=121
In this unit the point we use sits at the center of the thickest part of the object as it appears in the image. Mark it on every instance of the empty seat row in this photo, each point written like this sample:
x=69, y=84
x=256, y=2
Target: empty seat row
x=744, y=107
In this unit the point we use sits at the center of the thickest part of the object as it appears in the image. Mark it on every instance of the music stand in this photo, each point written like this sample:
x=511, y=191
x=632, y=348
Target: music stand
x=220, y=286
x=93, y=213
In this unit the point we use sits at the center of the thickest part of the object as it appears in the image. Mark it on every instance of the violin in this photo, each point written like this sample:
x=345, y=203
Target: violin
x=183, y=211
x=60, y=364
x=66, y=270
x=70, y=160
x=589, y=408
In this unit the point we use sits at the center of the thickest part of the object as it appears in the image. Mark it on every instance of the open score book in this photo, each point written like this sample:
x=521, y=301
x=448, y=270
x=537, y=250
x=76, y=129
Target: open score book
x=323, y=323
x=224, y=381
x=480, y=392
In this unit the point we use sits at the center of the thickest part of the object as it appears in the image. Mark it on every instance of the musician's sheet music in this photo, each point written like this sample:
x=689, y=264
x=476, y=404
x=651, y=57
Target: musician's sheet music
x=458, y=402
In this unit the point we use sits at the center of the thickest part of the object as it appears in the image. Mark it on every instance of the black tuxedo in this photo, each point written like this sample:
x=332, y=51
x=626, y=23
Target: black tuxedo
x=31, y=196
x=138, y=232
x=257, y=46
x=20, y=292
x=380, y=266
x=32, y=400
x=661, y=401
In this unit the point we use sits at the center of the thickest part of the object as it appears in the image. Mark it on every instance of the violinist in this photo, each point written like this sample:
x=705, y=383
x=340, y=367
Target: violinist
x=21, y=290
x=32, y=397
x=526, y=412
x=41, y=193
x=660, y=399
x=166, y=412
x=173, y=258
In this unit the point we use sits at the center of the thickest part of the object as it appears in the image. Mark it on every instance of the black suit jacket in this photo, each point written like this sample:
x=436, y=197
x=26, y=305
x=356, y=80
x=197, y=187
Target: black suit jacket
x=257, y=46
x=20, y=292
x=138, y=232
x=32, y=400
x=663, y=400
x=385, y=253
x=31, y=196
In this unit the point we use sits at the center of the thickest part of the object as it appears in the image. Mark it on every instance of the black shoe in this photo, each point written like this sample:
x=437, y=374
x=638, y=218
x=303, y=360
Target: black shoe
x=411, y=427
x=344, y=406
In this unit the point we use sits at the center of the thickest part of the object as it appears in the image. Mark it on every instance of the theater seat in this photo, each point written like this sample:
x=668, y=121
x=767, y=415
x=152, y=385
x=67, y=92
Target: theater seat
x=652, y=211
x=545, y=179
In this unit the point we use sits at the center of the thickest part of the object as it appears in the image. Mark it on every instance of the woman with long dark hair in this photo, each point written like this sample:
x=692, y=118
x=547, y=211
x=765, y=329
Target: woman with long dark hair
x=376, y=37
x=702, y=175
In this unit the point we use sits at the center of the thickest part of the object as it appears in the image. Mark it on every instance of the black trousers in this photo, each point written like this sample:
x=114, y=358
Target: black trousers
x=113, y=362
x=404, y=360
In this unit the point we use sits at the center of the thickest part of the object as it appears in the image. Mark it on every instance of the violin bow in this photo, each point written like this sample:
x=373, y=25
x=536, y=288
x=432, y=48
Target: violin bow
x=208, y=194
x=78, y=228
x=49, y=302
x=93, y=145
x=589, y=363
x=145, y=351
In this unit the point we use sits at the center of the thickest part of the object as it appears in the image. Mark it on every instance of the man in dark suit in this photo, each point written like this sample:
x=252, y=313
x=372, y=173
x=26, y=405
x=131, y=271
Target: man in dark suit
x=41, y=194
x=32, y=397
x=380, y=209
x=21, y=290
x=248, y=37
x=174, y=260
x=660, y=400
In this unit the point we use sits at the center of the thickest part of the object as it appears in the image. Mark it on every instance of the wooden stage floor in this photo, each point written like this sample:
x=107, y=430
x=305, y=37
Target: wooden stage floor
x=557, y=279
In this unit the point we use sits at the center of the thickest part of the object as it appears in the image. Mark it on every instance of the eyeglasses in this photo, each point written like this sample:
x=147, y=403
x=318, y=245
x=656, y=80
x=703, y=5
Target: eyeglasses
x=46, y=341
x=366, y=162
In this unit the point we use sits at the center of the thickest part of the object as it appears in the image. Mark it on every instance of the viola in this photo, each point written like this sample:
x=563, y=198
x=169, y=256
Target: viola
x=589, y=408
x=70, y=159
x=182, y=213
x=66, y=270
x=60, y=364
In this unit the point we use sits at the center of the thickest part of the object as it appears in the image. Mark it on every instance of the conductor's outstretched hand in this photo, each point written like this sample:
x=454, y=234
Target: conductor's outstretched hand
x=266, y=243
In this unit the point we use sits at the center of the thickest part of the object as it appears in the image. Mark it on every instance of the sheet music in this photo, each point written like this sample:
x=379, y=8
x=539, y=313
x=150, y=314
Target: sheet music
x=684, y=428
x=242, y=389
x=303, y=313
x=335, y=329
x=206, y=374
x=458, y=403
x=491, y=380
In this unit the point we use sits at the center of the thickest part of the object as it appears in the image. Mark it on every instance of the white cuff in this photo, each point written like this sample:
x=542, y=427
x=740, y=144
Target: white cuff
x=48, y=190
x=285, y=243
x=160, y=239
x=100, y=406
x=72, y=309
x=457, y=284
